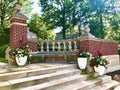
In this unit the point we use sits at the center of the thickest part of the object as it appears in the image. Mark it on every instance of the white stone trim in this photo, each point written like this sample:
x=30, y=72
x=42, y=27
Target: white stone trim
x=15, y=23
x=112, y=69
x=96, y=39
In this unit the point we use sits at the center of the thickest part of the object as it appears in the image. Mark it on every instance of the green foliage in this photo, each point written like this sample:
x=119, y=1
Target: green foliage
x=98, y=61
x=3, y=60
x=60, y=13
x=115, y=21
x=26, y=6
x=2, y=50
x=85, y=54
x=68, y=13
x=41, y=28
x=7, y=9
x=112, y=34
x=4, y=40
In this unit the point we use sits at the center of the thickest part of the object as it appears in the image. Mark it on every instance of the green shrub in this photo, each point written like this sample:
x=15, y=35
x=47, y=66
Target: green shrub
x=119, y=51
x=2, y=50
x=3, y=60
x=4, y=39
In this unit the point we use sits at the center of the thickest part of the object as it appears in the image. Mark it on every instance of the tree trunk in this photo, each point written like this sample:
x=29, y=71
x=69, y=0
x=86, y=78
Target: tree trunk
x=63, y=23
x=101, y=27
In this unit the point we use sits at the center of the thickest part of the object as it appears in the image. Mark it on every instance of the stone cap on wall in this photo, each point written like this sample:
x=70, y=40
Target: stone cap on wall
x=97, y=39
x=87, y=33
x=19, y=15
x=31, y=36
x=88, y=36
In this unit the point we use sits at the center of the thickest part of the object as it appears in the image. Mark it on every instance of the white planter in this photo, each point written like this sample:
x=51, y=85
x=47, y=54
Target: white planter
x=100, y=70
x=21, y=61
x=82, y=63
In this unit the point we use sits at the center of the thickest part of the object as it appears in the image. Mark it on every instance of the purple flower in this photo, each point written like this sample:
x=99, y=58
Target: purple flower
x=99, y=54
x=18, y=10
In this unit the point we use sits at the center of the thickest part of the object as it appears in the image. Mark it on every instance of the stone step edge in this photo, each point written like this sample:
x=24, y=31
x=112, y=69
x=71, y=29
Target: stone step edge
x=107, y=86
x=86, y=85
x=58, y=73
x=54, y=83
x=47, y=77
x=22, y=74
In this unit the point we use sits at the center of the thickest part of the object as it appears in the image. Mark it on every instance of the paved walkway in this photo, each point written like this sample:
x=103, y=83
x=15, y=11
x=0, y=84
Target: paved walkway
x=5, y=68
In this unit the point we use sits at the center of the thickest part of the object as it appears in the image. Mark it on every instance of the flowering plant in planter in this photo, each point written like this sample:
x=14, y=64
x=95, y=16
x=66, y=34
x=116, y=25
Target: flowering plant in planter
x=20, y=54
x=22, y=51
x=98, y=60
x=82, y=59
x=85, y=54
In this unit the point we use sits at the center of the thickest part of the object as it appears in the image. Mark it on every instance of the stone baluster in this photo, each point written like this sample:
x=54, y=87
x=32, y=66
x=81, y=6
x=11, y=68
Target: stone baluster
x=64, y=43
x=42, y=46
x=47, y=46
x=58, y=46
x=75, y=46
x=70, y=46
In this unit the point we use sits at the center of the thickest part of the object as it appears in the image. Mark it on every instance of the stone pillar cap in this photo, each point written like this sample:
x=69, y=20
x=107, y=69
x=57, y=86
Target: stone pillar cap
x=19, y=15
x=87, y=33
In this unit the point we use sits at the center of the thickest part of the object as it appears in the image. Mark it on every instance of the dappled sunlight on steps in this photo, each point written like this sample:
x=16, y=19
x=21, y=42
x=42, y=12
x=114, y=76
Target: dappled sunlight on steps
x=52, y=77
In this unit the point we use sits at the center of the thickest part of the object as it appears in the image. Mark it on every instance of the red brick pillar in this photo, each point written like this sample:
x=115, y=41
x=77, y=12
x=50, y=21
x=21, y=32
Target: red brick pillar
x=18, y=28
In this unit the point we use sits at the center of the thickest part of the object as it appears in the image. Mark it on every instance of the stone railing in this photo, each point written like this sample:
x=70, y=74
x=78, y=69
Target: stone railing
x=57, y=45
x=55, y=51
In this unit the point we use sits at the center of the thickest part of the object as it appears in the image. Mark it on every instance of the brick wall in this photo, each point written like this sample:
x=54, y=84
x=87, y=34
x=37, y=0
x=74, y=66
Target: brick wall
x=33, y=45
x=105, y=47
x=18, y=29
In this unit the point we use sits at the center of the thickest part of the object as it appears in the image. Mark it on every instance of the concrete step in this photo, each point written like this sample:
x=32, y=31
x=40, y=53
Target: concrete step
x=117, y=87
x=53, y=85
x=86, y=84
x=107, y=86
x=24, y=82
x=57, y=77
x=34, y=72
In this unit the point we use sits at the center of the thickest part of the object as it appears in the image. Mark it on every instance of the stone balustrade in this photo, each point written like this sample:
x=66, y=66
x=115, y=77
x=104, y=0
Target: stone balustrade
x=57, y=45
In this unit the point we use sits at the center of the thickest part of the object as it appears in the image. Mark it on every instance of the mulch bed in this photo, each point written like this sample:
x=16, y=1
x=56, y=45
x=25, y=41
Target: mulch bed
x=115, y=75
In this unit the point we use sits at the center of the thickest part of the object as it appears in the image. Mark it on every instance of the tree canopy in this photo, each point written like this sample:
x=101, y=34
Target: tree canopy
x=97, y=14
x=40, y=27
x=7, y=9
x=100, y=15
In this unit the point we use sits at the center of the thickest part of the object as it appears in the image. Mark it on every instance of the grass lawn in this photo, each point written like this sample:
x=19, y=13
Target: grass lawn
x=3, y=60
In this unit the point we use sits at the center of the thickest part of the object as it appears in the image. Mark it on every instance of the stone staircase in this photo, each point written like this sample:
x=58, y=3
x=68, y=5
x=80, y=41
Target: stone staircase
x=61, y=77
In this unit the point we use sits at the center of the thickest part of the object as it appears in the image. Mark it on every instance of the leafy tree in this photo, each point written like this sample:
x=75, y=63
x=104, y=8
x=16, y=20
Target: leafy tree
x=40, y=27
x=6, y=10
x=112, y=34
x=100, y=13
x=113, y=31
x=68, y=13
x=59, y=13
